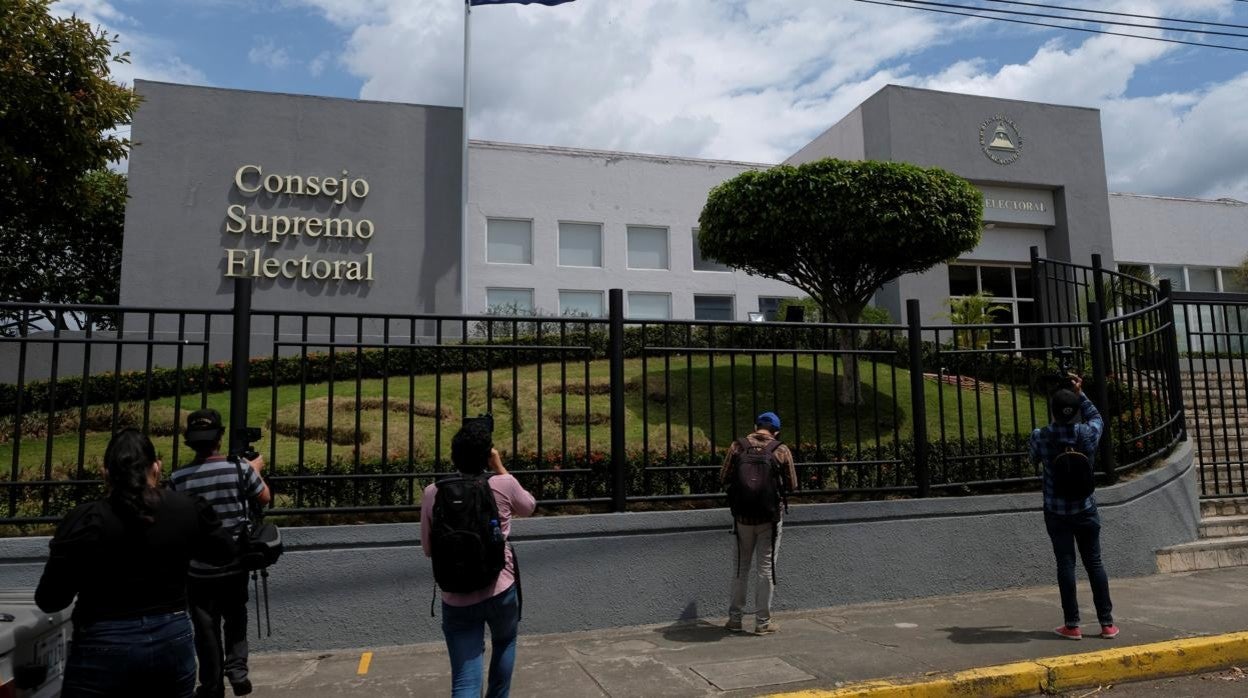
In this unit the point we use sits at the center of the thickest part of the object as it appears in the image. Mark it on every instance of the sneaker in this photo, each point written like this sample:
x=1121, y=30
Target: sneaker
x=1068, y=632
x=241, y=688
x=766, y=628
x=1109, y=632
x=734, y=626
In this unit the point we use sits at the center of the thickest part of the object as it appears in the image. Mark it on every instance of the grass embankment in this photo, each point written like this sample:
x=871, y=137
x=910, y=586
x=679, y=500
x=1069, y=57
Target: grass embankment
x=689, y=401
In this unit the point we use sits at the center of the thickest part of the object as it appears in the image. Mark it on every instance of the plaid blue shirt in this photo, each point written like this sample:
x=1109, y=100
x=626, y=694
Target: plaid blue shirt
x=1047, y=442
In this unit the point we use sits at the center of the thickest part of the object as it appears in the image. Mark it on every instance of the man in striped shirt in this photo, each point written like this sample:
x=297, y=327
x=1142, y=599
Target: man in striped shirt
x=218, y=594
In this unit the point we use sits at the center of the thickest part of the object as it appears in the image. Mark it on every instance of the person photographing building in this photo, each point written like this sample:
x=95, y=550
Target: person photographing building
x=465, y=521
x=218, y=592
x=1067, y=450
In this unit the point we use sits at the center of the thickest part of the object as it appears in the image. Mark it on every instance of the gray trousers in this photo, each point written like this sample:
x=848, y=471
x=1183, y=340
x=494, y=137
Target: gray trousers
x=752, y=540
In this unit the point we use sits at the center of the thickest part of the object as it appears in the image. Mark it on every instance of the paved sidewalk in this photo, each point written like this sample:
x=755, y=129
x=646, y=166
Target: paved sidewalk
x=822, y=648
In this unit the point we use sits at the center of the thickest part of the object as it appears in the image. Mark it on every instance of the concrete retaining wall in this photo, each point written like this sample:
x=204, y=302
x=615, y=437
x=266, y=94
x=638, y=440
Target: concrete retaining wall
x=369, y=585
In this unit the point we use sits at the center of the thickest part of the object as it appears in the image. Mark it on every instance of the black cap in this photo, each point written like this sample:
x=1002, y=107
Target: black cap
x=204, y=426
x=1064, y=405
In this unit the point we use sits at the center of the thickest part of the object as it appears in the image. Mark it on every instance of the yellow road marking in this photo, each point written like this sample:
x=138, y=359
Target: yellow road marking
x=1054, y=674
x=365, y=660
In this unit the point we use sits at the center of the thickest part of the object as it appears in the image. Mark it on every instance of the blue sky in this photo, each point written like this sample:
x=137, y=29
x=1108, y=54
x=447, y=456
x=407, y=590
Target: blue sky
x=734, y=79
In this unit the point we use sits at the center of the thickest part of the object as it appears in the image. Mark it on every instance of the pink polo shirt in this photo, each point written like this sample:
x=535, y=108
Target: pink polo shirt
x=512, y=500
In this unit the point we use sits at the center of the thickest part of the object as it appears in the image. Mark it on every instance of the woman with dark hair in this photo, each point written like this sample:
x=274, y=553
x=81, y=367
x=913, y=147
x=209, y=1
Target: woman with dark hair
x=125, y=557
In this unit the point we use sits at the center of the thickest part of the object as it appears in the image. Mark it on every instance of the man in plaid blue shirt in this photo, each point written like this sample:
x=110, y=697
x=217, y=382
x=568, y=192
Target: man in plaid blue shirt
x=1074, y=524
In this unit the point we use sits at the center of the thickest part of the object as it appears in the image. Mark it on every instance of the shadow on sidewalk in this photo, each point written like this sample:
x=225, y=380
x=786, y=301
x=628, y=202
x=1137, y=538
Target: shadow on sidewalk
x=690, y=628
x=996, y=635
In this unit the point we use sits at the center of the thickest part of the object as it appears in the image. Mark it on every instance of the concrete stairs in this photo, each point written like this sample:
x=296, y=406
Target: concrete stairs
x=1216, y=406
x=1223, y=539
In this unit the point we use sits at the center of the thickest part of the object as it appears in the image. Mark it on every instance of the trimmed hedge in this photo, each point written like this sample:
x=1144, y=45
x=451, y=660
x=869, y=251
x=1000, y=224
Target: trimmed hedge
x=829, y=467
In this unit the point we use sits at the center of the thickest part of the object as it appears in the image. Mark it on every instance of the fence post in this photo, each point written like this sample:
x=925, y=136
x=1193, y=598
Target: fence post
x=1038, y=295
x=1173, y=366
x=615, y=357
x=240, y=364
x=918, y=401
x=1098, y=284
x=1101, y=399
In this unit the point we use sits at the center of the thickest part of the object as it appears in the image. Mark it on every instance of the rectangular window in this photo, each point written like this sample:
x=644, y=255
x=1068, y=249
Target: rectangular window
x=647, y=247
x=769, y=306
x=580, y=303
x=1175, y=274
x=1022, y=280
x=508, y=241
x=580, y=245
x=700, y=264
x=1007, y=286
x=509, y=301
x=997, y=281
x=649, y=306
x=712, y=308
x=963, y=280
x=1202, y=279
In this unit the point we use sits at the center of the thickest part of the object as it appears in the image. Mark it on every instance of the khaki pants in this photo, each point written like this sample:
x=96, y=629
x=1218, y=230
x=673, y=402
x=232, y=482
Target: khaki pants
x=753, y=540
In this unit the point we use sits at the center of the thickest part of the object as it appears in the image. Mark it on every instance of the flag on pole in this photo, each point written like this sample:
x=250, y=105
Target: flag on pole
x=548, y=3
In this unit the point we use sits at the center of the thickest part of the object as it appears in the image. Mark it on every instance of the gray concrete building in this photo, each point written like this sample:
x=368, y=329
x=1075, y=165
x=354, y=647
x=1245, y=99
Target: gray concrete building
x=329, y=204
x=227, y=183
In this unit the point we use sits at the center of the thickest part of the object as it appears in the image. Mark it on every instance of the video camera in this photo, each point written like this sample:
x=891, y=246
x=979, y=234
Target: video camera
x=249, y=435
x=487, y=419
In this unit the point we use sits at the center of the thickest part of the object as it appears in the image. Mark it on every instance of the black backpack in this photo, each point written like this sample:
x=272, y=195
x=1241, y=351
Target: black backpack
x=1073, y=479
x=466, y=538
x=754, y=490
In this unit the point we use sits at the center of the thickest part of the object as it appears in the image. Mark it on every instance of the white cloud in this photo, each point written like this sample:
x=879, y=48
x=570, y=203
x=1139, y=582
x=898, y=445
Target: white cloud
x=268, y=54
x=757, y=79
x=151, y=58
x=316, y=66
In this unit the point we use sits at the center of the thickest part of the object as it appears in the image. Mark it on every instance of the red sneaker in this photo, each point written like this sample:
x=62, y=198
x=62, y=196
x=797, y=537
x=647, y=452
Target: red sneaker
x=1069, y=633
x=1109, y=632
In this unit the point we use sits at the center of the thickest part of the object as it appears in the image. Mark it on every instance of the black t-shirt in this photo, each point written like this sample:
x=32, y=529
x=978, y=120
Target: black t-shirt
x=120, y=567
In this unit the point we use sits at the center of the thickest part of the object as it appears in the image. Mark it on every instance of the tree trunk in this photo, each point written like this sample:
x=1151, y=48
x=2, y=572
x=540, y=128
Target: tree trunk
x=849, y=388
x=849, y=385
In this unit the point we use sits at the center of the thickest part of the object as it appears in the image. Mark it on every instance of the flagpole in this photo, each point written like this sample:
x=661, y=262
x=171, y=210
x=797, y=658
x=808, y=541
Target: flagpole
x=463, y=185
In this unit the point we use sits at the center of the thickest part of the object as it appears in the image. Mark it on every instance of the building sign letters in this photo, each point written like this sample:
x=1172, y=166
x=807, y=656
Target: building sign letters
x=276, y=228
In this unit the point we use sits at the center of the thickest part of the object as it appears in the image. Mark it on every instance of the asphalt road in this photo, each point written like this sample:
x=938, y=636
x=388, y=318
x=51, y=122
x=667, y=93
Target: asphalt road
x=1222, y=684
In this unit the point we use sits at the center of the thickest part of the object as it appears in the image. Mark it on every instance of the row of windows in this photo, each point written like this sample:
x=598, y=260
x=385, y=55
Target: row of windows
x=510, y=241
x=1219, y=279
x=638, y=305
x=1011, y=290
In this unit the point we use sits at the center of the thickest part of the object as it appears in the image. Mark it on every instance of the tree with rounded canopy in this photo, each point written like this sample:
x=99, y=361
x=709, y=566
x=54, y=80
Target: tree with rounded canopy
x=840, y=229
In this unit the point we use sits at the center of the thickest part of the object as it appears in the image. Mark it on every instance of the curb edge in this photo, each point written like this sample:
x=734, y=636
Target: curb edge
x=1051, y=674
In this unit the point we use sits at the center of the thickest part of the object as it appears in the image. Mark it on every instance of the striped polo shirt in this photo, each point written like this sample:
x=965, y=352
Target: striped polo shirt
x=217, y=480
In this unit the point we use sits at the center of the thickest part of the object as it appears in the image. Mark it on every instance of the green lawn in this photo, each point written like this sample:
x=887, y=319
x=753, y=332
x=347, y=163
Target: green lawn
x=532, y=410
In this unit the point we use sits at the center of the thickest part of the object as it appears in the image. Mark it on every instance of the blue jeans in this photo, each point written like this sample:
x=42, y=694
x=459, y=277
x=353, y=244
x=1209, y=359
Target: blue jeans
x=1082, y=530
x=146, y=657
x=464, y=628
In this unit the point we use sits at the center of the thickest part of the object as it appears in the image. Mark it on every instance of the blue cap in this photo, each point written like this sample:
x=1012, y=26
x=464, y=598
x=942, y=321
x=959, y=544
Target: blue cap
x=768, y=419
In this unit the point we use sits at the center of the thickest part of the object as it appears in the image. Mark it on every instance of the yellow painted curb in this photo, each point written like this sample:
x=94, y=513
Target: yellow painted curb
x=1023, y=678
x=1186, y=656
x=1129, y=663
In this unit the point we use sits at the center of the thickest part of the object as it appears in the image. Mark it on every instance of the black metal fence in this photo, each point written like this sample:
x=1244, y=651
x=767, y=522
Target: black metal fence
x=609, y=413
x=1212, y=338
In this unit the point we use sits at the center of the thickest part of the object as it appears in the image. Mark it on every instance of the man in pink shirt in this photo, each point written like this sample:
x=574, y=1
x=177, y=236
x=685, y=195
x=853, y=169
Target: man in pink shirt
x=465, y=615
